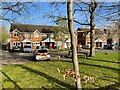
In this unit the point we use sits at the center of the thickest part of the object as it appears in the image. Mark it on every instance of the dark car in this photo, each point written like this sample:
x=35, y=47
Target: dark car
x=27, y=49
x=109, y=46
x=41, y=54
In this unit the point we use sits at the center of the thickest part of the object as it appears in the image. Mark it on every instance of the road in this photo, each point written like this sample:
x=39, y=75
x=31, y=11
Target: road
x=20, y=58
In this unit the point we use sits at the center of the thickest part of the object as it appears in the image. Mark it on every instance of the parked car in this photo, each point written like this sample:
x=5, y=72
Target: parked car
x=27, y=49
x=15, y=48
x=116, y=47
x=109, y=46
x=41, y=54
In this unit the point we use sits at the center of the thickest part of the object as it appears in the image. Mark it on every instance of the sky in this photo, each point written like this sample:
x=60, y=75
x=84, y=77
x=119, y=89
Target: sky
x=38, y=15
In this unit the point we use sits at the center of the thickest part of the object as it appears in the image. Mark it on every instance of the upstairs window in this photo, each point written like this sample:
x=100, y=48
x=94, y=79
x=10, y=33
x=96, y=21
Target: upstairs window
x=66, y=36
x=45, y=35
x=36, y=35
x=27, y=35
x=16, y=35
x=52, y=36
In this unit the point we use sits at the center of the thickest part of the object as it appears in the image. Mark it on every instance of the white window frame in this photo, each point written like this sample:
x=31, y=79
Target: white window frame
x=14, y=43
x=66, y=36
x=44, y=35
x=16, y=34
x=18, y=44
x=27, y=35
x=52, y=36
x=36, y=35
x=36, y=43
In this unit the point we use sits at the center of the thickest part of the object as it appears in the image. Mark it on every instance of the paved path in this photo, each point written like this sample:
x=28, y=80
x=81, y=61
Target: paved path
x=20, y=58
x=15, y=58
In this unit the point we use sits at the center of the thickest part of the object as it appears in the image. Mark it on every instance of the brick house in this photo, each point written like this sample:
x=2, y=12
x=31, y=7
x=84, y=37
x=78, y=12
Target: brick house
x=33, y=35
x=112, y=36
x=83, y=38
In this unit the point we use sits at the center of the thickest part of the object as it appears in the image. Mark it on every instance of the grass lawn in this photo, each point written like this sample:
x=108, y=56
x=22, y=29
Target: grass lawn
x=43, y=74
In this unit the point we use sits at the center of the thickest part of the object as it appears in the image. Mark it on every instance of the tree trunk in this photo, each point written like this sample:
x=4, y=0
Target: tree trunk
x=92, y=26
x=73, y=43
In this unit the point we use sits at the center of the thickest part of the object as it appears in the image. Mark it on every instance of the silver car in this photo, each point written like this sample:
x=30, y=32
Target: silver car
x=27, y=49
x=41, y=54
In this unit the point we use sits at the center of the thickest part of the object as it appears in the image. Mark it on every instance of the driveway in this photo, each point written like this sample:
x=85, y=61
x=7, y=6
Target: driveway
x=15, y=57
x=20, y=57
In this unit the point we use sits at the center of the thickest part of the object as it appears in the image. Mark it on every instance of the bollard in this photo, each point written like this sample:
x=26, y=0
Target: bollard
x=58, y=57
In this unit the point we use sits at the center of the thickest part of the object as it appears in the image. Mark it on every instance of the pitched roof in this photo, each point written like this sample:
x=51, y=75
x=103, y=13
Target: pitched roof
x=31, y=28
x=83, y=29
x=97, y=31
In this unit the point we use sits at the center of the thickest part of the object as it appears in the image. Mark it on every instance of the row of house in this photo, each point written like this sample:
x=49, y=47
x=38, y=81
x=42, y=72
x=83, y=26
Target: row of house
x=44, y=36
x=106, y=37
x=83, y=37
x=35, y=35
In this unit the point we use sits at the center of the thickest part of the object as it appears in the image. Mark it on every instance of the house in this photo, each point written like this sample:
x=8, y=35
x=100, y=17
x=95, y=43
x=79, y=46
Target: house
x=112, y=36
x=83, y=38
x=32, y=35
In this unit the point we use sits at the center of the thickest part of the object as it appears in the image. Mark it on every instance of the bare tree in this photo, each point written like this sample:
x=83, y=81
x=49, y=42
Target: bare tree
x=73, y=42
x=96, y=11
x=11, y=11
x=92, y=26
x=88, y=9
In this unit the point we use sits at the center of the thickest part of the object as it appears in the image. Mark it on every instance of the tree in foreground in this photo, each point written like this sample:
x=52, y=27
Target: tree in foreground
x=73, y=43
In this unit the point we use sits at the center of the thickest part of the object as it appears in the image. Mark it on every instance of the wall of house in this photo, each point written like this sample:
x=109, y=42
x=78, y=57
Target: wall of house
x=35, y=37
x=18, y=38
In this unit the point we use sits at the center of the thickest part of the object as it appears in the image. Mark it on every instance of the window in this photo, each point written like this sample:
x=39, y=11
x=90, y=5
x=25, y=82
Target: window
x=52, y=36
x=42, y=51
x=14, y=44
x=66, y=36
x=16, y=35
x=28, y=42
x=88, y=42
x=36, y=35
x=44, y=35
x=18, y=43
x=27, y=35
x=36, y=44
x=27, y=46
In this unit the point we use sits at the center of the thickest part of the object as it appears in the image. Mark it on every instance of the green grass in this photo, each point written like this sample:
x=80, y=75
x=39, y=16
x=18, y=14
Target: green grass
x=43, y=74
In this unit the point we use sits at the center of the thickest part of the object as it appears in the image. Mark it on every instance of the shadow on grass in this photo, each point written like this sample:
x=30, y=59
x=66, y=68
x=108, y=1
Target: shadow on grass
x=116, y=69
x=102, y=60
x=51, y=79
x=115, y=86
x=16, y=85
